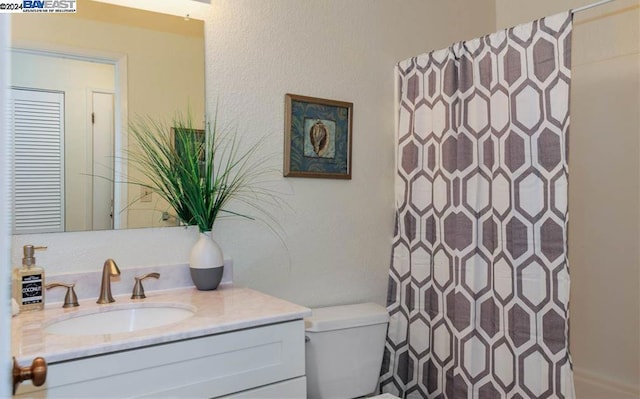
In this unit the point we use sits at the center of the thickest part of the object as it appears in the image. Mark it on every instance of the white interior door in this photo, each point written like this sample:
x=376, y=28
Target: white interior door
x=37, y=123
x=103, y=159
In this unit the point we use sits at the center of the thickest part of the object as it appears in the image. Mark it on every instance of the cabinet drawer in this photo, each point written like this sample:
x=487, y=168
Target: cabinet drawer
x=291, y=389
x=209, y=366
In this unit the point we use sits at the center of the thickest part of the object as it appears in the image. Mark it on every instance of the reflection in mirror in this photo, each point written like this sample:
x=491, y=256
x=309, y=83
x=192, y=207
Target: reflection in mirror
x=76, y=81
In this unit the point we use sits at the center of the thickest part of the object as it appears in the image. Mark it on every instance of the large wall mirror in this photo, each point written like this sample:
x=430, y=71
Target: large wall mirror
x=76, y=82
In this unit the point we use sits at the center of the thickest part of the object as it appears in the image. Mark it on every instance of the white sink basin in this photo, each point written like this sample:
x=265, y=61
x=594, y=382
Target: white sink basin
x=119, y=320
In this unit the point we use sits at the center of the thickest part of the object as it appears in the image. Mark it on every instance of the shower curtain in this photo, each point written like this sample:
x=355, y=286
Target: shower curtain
x=479, y=285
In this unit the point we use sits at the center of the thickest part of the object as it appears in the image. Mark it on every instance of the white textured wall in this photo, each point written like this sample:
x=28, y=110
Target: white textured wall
x=604, y=200
x=86, y=251
x=337, y=234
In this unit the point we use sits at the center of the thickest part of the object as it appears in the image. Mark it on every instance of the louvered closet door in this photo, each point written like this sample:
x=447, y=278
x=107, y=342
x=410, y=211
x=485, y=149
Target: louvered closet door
x=37, y=119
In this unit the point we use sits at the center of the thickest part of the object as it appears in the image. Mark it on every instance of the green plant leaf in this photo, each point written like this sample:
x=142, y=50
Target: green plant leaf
x=199, y=173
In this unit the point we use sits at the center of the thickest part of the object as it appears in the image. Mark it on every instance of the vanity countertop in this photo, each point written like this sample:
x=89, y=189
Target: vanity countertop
x=225, y=309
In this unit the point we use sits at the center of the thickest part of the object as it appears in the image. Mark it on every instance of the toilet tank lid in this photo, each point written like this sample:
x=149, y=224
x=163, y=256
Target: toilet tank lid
x=345, y=316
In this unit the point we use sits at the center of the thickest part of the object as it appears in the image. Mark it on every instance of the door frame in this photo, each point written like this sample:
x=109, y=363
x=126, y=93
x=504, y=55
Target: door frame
x=121, y=141
x=91, y=92
x=5, y=243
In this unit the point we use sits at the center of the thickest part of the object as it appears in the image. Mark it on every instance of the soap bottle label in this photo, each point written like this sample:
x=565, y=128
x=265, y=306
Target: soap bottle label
x=32, y=289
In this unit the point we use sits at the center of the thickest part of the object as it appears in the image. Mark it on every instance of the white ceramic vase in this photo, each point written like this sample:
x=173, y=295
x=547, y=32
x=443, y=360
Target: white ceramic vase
x=206, y=263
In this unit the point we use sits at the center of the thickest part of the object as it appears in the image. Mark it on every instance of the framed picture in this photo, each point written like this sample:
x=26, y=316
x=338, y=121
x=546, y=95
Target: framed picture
x=317, y=137
x=180, y=137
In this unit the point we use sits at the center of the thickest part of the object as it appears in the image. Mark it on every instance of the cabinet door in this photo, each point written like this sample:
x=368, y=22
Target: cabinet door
x=204, y=367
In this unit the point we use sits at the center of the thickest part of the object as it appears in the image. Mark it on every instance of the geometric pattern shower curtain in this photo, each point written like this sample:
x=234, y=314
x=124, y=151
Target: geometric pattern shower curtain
x=479, y=284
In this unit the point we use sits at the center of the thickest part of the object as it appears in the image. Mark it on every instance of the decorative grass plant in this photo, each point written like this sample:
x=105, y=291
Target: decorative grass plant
x=198, y=176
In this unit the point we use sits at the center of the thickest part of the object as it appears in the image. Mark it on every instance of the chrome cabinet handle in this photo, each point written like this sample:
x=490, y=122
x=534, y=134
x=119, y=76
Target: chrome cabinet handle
x=138, y=289
x=70, y=299
x=37, y=373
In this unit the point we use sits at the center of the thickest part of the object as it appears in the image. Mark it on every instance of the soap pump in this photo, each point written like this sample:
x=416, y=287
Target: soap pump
x=28, y=281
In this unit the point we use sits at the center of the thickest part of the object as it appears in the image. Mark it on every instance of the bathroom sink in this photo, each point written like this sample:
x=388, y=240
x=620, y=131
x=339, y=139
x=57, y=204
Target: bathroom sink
x=119, y=320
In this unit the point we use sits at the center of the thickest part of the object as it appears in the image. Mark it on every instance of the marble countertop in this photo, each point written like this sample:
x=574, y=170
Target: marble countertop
x=225, y=309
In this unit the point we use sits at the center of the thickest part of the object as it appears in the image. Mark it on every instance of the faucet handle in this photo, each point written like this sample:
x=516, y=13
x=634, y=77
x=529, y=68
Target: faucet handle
x=138, y=289
x=70, y=299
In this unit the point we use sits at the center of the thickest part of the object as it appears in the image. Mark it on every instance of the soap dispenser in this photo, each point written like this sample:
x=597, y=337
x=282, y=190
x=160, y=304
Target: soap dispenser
x=28, y=281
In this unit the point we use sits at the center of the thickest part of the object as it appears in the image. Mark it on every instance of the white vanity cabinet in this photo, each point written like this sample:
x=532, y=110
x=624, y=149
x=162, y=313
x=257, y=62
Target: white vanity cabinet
x=265, y=362
x=239, y=343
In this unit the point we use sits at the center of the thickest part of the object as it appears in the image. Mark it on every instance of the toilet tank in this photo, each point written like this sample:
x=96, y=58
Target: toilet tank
x=344, y=350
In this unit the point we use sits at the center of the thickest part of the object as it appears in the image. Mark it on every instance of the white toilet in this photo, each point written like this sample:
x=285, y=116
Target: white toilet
x=344, y=350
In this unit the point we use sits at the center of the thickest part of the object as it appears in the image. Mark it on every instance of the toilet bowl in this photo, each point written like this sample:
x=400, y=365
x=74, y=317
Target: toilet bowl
x=344, y=350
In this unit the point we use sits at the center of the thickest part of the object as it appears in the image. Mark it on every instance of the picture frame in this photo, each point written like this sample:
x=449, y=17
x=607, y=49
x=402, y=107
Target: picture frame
x=197, y=136
x=317, y=137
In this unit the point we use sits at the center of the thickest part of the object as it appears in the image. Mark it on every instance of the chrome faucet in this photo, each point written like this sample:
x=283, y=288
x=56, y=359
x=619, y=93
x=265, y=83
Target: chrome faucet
x=109, y=269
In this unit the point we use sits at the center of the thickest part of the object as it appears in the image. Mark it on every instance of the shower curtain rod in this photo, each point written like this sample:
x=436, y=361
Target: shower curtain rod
x=596, y=4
